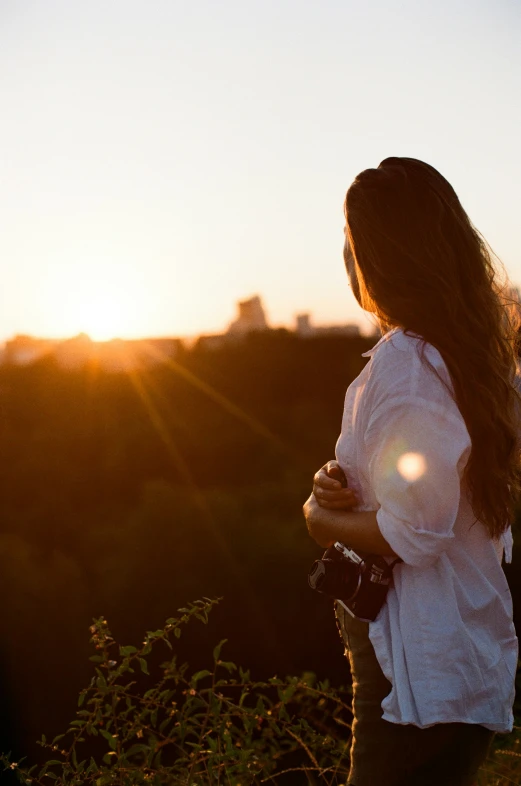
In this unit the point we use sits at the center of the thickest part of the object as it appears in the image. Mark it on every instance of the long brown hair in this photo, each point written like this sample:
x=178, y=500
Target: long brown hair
x=422, y=265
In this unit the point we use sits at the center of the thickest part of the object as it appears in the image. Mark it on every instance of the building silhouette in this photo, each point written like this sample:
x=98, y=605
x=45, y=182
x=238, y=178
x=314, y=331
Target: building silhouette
x=22, y=350
x=251, y=317
x=128, y=355
x=304, y=328
x=81, y=351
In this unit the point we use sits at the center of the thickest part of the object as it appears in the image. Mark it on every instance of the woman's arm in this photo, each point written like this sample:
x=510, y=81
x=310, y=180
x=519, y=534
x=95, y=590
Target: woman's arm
x=358, y=530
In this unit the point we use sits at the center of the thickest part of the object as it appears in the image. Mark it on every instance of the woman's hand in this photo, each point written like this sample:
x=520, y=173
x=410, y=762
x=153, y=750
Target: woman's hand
x=319, y=528
x=329, y=493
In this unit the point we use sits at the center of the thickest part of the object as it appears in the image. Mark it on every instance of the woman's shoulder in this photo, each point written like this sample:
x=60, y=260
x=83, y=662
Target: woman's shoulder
x=404, y=364
x=403, y=347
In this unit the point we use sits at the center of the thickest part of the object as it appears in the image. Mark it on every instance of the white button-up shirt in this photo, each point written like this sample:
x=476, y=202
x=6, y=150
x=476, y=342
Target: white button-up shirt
x=445, y=637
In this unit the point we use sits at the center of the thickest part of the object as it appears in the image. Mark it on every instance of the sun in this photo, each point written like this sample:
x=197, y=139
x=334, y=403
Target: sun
x=103, y=317
x=101, y=299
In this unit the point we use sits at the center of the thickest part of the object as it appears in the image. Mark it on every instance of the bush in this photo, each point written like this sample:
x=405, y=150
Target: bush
x=208, y=727
x=201, y=728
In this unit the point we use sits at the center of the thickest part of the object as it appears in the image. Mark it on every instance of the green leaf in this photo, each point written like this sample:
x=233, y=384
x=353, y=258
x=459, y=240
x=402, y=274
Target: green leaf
x=228, y=665
x=92, y=768
x=128, y=650
x=285, y=695
x=283, y=713
x=163, y=725
x=135, y=749
x=217, y=649
x=105, y=779
x=144, y=666
x=112, y=741
x=200, y=674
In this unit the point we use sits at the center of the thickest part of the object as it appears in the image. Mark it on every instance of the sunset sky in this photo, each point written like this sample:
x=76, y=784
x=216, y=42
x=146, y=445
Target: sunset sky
x=161, y=160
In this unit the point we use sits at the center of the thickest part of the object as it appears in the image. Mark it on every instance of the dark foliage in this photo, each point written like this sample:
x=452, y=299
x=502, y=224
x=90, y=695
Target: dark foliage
x=125, y=494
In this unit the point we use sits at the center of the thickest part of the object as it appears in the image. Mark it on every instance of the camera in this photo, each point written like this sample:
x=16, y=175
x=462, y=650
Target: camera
x=358, y=580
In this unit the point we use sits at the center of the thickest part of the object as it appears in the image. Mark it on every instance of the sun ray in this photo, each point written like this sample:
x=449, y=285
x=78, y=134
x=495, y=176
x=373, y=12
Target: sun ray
x=229, y=406
x=235, y=568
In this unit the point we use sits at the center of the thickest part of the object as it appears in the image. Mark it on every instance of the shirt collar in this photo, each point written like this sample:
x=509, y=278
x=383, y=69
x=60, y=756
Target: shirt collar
x=385, y=337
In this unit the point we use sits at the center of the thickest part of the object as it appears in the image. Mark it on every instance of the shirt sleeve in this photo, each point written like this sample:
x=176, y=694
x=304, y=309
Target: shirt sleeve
x=416, y=456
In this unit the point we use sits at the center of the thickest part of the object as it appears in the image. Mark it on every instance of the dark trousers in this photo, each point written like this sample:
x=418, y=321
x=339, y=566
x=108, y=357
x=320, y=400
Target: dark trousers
x=390, y=754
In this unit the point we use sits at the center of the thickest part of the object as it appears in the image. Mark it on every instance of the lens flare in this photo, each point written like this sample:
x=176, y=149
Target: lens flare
x=411, y=466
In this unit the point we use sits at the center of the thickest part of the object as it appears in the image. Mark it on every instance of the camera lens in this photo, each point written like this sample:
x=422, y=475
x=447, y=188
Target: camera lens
x=317, y=575
x=337, y=578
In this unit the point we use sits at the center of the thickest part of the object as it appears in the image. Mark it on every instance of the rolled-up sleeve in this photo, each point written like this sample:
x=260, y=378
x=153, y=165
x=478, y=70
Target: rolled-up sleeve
x=416, y=455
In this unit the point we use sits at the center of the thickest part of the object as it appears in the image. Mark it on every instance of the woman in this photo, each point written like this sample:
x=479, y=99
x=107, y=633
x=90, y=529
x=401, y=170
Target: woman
x=429, y=448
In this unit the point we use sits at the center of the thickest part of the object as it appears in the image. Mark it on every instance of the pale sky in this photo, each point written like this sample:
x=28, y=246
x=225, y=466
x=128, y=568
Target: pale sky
x=163, y=159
